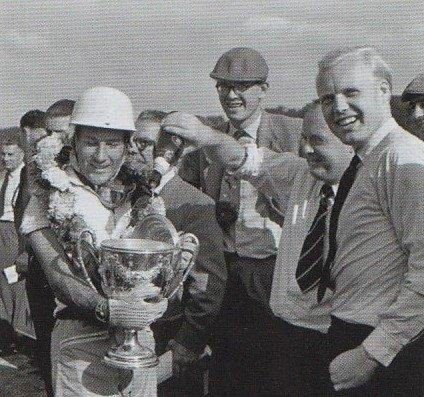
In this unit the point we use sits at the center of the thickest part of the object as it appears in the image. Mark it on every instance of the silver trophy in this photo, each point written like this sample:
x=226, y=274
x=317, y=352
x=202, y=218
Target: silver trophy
x=154, y=255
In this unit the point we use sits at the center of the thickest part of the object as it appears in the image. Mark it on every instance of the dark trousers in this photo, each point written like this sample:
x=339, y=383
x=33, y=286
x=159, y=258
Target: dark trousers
x=403, y=377
x=41, y=304
x=8, y=254
x=191, y=383
x=240, y=342
x=298, y=363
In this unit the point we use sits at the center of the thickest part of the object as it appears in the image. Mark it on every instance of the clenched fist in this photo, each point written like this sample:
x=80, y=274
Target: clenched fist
x=190, y=128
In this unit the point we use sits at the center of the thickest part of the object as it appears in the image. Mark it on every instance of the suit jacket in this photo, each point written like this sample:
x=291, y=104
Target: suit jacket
x=15, y=193
x=276, y=132
x=192, y=211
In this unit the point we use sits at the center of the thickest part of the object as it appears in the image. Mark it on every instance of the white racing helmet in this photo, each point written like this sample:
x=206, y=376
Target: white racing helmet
x=104, y=107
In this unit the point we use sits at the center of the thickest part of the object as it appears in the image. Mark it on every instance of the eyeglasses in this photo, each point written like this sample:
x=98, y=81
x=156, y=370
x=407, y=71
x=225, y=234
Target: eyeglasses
x=238, y=88
x=142, y=144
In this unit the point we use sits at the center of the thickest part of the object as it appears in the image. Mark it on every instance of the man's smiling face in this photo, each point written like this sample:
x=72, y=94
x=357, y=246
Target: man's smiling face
x=354, y=101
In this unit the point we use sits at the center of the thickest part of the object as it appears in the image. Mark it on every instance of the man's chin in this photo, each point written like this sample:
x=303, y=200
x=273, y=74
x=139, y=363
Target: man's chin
x=99, y=180
x=237, y=115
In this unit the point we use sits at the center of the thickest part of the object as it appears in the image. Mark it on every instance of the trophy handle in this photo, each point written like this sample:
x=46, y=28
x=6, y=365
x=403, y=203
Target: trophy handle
x=189, y=243
x=80, y=259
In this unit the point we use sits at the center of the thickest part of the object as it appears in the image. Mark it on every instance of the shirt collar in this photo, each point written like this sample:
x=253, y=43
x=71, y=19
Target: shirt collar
x=165, y=179
x=251, y=129
x=377, y=137
x=17, y=170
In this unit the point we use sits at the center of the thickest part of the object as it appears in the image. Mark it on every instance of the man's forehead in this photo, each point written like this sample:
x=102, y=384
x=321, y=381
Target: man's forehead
x=57, y=122
x=147, y=128
x=343, y=74
x=101, y=134
x=317, y=130
x=10, y=148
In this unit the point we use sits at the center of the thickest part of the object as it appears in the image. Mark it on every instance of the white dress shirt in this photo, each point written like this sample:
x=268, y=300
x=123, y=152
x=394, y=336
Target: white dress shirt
x=286, y=177
x=252, y=236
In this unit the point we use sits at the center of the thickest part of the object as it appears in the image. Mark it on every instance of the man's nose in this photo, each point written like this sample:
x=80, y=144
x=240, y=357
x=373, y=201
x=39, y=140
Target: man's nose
x=308, y=149
x=132, y=149
x=232, y=94
x=101, y=154
x=340, y=104
x=418, y=111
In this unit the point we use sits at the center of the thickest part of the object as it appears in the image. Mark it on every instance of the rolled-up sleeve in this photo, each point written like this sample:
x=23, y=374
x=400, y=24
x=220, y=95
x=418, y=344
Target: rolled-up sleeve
x=277, y=173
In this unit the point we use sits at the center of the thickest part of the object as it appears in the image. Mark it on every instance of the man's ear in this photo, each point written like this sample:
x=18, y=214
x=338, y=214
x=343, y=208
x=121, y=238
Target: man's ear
x=385, y=87
x=264, y=87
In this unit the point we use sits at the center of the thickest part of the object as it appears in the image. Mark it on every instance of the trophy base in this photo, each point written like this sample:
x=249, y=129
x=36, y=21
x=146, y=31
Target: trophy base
x=139, y=358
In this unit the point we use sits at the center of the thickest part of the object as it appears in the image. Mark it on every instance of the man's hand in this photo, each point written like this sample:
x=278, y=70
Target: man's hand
x=352, y=369
x=21, y=263
x=190, y=128
x=182, y=358
x=133, y=311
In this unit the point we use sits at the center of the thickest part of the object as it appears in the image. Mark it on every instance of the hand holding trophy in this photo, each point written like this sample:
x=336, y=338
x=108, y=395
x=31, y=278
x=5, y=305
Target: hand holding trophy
x=138, y=276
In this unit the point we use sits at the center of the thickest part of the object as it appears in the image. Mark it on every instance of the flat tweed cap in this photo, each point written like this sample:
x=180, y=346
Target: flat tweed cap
x=415, y=89
x=241, y=64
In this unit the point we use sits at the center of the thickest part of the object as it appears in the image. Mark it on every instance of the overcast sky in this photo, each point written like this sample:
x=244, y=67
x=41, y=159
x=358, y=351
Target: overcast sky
x=160, y=52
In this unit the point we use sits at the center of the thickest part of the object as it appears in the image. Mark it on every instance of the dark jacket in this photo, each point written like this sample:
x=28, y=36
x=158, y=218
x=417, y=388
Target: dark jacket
x=192, y=211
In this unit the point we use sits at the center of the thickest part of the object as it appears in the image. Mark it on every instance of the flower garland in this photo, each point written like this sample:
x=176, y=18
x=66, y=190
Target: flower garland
x=69, y=219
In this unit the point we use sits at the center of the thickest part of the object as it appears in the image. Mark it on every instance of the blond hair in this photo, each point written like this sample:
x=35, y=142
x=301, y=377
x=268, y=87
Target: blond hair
x=365, y=54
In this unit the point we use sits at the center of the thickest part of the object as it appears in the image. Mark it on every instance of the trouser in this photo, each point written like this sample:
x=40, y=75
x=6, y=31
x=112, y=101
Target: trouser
x=240, y=352
x=41, y=305
x=191, y=383
x=6, y=313
x=8, y=254
x=298, y=364
x=78, y=348
x=403, y=377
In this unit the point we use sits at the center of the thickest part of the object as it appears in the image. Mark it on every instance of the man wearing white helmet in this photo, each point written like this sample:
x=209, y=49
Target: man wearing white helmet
x=86, y=194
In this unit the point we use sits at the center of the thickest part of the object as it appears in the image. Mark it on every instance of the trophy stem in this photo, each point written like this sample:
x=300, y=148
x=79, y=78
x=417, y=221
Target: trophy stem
x=130, y=340
x=130, y=354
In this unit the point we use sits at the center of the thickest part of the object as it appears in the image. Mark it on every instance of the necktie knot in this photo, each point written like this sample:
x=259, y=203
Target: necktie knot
x=240, y=134
x=327, y=193
x=243, y=137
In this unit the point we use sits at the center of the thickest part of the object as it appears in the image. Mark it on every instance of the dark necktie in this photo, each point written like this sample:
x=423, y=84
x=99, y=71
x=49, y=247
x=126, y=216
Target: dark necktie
x=3, y=193
x=345, y=184
x=309, y=267
x=241, y=134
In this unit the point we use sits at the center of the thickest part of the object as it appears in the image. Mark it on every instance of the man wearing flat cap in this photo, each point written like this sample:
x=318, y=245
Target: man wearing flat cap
x=414, y=97
x=251, y=222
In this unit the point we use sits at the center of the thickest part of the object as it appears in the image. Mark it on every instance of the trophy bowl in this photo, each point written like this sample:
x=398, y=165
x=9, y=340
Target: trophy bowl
x=129, y=265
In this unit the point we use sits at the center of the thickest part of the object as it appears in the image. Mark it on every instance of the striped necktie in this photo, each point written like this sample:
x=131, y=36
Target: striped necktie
x=309, y=267
x=345, y=185
x=3, y=192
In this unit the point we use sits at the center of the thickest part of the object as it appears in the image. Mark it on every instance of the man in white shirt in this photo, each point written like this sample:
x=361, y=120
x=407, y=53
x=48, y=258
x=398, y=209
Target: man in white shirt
x=297, y=348
x=375, y=263
x=11, y=155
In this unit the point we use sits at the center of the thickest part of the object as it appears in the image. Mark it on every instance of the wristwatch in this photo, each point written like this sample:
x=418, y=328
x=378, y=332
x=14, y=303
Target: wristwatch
x=102, y=311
